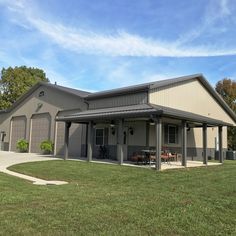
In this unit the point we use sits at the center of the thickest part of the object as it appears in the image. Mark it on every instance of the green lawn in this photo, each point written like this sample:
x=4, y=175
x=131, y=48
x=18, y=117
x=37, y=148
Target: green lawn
x=118, y=200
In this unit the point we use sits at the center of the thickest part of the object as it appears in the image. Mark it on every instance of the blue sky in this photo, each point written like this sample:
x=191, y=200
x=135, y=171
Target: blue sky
x=96, y=45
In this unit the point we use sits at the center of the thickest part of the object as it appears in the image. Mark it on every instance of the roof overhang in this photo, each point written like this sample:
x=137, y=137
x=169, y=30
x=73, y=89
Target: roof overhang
x=137, y=111
x=134, y=111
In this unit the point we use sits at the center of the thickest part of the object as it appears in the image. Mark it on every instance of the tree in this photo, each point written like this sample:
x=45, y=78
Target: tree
x=227, y=89
x=16, y=81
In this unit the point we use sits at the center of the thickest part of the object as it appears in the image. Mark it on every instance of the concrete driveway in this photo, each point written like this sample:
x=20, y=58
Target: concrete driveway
x=11, y=158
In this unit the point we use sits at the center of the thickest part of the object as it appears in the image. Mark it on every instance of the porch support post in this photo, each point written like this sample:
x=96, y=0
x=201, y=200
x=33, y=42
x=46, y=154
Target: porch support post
x=67, y=132
x=147, y=133
x=90, y=141
x=184, y=143
x=204, y=140
x=221, y=159
x=120, y=151
x=158, y=127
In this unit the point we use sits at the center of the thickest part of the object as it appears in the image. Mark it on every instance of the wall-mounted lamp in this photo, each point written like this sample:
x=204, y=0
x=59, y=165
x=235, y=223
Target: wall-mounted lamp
x=113, y=130
x=131, y=130
x=188, y=127
x=151, y=122
x=112, y=124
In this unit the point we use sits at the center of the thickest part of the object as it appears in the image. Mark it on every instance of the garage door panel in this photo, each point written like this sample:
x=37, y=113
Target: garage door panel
x=40, y=131
x=18, y=131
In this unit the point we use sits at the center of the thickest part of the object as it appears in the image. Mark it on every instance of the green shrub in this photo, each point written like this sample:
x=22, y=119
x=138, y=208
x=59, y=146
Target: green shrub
x=46, y=146
x=22, y=145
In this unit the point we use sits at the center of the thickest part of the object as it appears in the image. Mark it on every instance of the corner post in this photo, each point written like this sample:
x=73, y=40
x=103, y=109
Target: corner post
x=67, y=132
x=158, y=127
x=120, y=152
x=90, y=141
x=184, y=143
x=204, y=140
x=221, y=159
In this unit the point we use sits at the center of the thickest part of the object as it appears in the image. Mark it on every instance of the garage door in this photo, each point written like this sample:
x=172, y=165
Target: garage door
x=18, y=131
x=40, y=131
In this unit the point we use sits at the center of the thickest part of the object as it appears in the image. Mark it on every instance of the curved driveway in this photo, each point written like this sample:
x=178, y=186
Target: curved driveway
x=11, y=158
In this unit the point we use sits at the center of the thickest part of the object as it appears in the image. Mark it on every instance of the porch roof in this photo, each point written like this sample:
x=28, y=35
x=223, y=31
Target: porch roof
x=141, y=110
x=137, y=111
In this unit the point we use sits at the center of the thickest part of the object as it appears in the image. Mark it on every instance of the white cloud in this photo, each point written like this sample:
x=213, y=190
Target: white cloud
x=225, y=9
x=214, y=11
x=121, y=43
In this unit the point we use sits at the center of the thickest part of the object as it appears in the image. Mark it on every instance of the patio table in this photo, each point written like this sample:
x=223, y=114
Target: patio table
x=148, y=153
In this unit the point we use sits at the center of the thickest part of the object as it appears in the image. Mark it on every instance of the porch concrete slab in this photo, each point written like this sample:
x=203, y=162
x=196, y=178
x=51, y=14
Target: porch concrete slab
x=164, y=165
x=8, y=159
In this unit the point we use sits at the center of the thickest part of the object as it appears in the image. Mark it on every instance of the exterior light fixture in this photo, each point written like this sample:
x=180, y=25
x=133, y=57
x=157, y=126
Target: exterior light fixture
x=188, y=127
x=131, y=130
x=113, y=130
x=151, y=122
x=112, y=124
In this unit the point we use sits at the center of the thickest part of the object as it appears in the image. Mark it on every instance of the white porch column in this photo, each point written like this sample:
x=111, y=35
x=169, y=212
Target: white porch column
x=221, y=159
x=120, y=151
x=67, y=132
x=184, y=143
x=90, y=141
x=158, y=128
x=204, y=140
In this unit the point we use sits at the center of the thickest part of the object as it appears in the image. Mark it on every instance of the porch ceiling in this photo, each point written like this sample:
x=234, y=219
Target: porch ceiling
x=138, y=111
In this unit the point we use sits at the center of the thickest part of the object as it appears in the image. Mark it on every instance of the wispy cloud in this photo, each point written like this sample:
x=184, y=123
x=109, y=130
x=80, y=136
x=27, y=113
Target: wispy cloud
x=121, y=43
x=216, y=10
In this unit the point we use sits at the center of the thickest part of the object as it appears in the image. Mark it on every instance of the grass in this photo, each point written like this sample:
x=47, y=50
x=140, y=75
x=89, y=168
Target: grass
x=118, y=200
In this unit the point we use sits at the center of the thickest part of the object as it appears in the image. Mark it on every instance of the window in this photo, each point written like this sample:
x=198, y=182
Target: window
x=171, y=134
x=99, y=137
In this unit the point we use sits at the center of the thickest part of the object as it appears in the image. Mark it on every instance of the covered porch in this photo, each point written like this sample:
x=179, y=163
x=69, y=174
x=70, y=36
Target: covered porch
x=120, y=133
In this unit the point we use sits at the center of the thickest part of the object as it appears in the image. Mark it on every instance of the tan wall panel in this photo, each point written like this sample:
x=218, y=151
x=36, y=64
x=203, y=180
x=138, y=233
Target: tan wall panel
x=189, y=96
x=53, y=101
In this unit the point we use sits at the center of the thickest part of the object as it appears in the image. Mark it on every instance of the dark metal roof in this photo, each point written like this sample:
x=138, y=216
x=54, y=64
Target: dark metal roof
x=114, y=112
x=75, y=92
x=79, y=93
x=142, y=110
x=164, y=83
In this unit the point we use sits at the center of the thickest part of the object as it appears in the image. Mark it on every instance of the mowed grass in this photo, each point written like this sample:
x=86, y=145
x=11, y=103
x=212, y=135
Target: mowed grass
x=105, y=199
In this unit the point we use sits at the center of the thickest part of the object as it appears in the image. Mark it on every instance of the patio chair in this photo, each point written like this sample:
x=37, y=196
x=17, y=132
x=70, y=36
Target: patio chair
x=165, y=157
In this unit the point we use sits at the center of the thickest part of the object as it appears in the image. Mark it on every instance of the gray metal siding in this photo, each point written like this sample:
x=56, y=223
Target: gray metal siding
x=40, y=131
x=18, y=131
x=124, y=100
x=75, y=139
x=60, y=138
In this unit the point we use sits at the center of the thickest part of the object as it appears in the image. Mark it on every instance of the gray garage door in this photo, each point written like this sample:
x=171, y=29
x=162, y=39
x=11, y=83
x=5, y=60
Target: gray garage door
x=40, y=131
x=18, y=131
